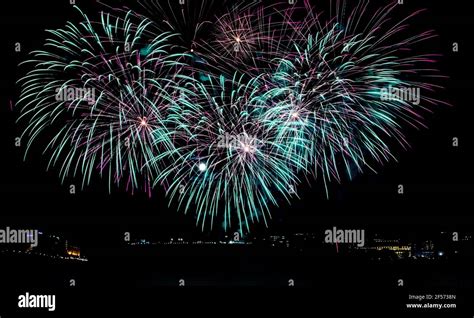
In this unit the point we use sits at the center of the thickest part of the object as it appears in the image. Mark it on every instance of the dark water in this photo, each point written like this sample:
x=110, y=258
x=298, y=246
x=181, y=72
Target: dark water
x=238, y=274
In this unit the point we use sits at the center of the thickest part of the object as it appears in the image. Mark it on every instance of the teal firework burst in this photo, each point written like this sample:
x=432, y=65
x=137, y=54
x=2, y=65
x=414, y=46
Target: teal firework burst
x=226, y=165
x=329, y=96
x=101, y=91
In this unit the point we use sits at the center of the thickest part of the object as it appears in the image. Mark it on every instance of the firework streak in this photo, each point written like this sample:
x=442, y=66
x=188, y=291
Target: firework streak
x=226, y=113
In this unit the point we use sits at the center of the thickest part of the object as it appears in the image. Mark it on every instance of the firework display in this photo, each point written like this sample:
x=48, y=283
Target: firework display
x=227, y=114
